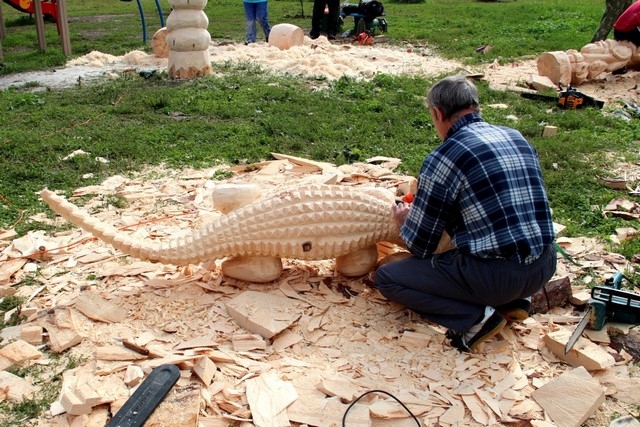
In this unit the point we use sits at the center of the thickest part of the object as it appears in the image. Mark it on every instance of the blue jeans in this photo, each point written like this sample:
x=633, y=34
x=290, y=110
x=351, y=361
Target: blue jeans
x=256, y=12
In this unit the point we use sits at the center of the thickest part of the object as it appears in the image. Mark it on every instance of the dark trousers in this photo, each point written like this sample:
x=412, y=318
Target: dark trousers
x=452, y=289
x=318, y=14
x=632, y=36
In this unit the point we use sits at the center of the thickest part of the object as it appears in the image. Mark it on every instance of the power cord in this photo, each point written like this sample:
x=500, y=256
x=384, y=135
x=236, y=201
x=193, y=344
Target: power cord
x=344, y=418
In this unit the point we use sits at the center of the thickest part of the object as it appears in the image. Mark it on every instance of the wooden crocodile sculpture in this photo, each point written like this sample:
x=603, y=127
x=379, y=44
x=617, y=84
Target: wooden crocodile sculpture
x=313, y=222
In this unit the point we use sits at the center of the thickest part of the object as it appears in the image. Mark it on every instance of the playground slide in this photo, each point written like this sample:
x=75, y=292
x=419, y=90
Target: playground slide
x=49, y=8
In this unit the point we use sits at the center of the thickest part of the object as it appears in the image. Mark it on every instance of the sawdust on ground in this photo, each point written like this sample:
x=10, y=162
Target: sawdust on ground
x=325, y=60
x=347, y=339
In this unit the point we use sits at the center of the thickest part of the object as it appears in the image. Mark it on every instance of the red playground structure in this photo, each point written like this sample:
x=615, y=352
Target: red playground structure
x=49, y=8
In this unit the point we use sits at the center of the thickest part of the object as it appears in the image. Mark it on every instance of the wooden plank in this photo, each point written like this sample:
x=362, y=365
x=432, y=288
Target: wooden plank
x=570, y=398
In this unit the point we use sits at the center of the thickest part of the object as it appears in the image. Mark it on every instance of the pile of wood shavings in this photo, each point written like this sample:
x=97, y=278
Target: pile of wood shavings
x=346, y=340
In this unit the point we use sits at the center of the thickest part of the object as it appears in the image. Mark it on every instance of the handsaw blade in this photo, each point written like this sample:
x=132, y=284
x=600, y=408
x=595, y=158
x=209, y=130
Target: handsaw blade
x=577, y=333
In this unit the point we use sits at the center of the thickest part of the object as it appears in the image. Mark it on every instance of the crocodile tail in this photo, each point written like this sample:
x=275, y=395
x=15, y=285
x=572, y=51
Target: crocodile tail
x=144, y=250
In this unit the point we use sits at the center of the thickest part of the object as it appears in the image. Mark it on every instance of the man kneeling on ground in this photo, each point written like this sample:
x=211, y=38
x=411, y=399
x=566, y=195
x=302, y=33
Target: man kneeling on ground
x=483, y=186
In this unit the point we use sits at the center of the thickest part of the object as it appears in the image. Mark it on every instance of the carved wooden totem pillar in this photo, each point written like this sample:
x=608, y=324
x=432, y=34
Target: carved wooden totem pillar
x=575, y=67
x=188, y=39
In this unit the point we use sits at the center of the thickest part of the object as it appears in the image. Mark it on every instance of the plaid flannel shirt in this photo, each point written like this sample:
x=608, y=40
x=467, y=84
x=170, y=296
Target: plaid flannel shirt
x=484, y=186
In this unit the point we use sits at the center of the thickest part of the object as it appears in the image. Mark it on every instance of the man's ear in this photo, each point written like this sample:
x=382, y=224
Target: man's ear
x=437, y=114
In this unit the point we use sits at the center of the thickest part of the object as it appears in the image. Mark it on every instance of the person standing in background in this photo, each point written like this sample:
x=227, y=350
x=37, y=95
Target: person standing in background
x=613, y=9
x=626, y=26
x=318, y=15
x=256, y=10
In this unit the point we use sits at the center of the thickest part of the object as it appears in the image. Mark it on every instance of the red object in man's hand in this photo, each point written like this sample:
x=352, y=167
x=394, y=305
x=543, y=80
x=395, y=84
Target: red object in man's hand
x=408, y=198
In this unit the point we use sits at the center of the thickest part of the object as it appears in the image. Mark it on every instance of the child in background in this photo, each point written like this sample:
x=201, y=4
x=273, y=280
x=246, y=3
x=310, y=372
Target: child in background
x=255, y=10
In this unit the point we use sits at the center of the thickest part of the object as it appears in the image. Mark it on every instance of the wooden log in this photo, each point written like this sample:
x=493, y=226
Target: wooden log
x=556, y=293
x=570, y=398
x=556, y=66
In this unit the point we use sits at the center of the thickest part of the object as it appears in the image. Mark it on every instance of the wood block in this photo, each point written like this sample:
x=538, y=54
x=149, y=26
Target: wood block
x=88, y=394
x=32, y=334
x=584, y=353
x=580, y=298
x=540, y=83
x=570, y=398
x=74, y=404
x=205, y=369
x=97, y=308
x=414, y=339
x=17, y=352
x=263, y=313
x=61, y=339
x=549, y=131
x=14, y=388
x=268, y=397
x=133, y=376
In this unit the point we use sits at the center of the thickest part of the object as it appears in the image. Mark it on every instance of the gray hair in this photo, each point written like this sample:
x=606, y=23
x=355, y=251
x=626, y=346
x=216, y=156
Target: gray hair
x=453, y=94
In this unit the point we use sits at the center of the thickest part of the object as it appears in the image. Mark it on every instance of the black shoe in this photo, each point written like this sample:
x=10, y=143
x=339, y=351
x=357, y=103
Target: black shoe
x=491, y=327
x=314, y=36
x=516, y=310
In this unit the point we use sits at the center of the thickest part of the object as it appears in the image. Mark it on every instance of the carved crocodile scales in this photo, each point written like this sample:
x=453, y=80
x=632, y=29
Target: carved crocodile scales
x=312, y=222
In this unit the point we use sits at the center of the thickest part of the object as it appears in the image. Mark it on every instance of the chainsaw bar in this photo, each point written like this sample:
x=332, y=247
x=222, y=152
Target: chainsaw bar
x=146, y=398
x=577, y=333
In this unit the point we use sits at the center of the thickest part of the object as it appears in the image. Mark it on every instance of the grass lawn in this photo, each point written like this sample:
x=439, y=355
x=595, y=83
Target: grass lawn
x=123, y=119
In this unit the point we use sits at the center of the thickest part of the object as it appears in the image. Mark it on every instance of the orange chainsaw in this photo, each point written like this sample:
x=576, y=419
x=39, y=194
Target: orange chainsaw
x=569, y=99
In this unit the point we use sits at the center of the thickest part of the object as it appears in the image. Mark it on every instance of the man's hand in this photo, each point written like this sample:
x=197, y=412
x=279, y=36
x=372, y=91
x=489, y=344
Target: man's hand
x=400, y=212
